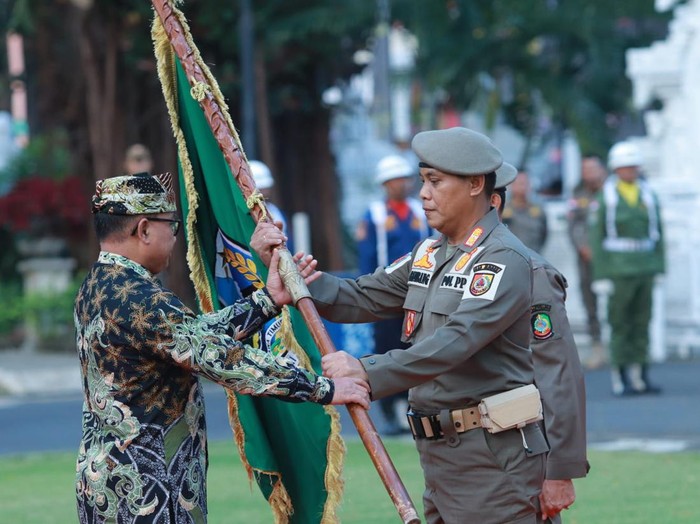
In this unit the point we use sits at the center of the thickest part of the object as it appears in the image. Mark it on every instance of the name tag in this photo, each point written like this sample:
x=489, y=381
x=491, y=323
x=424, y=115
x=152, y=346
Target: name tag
x=420, y=278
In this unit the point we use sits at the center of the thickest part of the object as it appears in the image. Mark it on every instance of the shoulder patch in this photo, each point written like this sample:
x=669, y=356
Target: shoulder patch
x=484, y=280
x=396, y=264
x=541, y=322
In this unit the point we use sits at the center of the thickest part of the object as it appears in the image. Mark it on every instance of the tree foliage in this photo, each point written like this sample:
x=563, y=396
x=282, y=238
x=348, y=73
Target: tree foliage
x=564, y=58
x=91, y=73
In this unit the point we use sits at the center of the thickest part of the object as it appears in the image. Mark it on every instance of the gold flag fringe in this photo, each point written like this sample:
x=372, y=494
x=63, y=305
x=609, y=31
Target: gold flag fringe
x=279, y=500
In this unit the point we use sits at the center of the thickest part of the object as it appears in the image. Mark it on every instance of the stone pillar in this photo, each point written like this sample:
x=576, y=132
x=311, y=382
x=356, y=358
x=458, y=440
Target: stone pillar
x=43, y=276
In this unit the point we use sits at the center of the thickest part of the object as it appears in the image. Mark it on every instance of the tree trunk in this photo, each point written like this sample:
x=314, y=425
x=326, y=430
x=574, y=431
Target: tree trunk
x=266, y=145
x=309, y=183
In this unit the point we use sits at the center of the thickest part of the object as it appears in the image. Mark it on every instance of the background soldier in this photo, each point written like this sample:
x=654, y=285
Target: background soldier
x=581, y=206
x=389, y=229
x=525, y=219
x=137, y=159
x=558, y=376
x=262, y=176
x=628, y=250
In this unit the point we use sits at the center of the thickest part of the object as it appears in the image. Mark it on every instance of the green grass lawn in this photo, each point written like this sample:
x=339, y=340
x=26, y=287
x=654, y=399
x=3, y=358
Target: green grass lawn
x=622, y=488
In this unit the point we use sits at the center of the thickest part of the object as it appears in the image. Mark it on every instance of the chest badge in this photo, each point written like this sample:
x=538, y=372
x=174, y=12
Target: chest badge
x=481, y=283
x=424, y=262
x=409, y=323
x=464, y=260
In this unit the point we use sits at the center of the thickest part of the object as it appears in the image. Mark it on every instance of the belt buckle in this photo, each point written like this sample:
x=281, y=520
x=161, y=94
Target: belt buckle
x=457, y=416
x=424, y=426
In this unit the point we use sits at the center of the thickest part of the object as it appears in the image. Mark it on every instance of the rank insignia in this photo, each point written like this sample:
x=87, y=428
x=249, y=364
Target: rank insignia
x=541, y=322
x=474, y=237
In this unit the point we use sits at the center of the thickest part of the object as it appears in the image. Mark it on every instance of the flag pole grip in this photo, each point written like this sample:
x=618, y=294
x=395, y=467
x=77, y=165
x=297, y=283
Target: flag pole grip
x=365, y=427
x=200, y=79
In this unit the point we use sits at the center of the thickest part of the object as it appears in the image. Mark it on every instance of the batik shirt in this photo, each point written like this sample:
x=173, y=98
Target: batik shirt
x=143, y=454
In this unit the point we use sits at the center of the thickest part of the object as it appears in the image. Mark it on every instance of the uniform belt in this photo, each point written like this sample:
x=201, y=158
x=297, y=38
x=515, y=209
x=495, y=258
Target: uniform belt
x=428, y=426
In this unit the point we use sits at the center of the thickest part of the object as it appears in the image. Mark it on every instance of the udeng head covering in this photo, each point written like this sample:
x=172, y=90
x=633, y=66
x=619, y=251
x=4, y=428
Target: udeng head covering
x=139, y=194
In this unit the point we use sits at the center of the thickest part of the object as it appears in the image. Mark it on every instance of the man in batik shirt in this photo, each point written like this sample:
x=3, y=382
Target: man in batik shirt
x=143, y=454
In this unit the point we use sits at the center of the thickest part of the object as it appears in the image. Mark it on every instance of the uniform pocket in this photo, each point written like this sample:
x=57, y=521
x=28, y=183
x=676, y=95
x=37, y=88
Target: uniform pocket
x=509, y=450
x=446, y=302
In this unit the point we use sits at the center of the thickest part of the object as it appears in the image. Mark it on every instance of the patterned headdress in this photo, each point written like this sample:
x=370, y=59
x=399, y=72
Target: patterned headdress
x=139, y=194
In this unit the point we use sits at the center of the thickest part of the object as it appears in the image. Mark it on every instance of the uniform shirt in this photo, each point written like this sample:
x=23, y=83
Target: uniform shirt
x=558, y=374
x=581, y=206
x=529, y=224
x=466, y=316
x=142, y=456
x=627, y=240
x=387, y=231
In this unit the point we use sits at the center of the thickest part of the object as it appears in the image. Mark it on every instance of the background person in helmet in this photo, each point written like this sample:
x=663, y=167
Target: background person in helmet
x=389, y=229
x=628, y=252
x=262, y=176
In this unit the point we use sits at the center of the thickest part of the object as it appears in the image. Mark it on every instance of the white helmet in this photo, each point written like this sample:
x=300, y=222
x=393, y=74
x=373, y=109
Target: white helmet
x=393, y=166
x=624, y=154
x=261, y=174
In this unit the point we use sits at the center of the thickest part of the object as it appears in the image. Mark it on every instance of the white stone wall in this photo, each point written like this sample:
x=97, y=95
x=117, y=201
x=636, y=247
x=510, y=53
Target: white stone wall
x=669, y=71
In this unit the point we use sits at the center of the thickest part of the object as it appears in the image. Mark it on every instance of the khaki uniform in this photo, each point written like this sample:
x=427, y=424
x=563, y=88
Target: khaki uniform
x=467, y=318
x=529, y=224
x=558, y=374
x=581, y=206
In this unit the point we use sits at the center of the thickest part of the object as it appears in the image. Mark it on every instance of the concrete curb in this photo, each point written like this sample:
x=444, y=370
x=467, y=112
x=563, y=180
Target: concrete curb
x=25, y=373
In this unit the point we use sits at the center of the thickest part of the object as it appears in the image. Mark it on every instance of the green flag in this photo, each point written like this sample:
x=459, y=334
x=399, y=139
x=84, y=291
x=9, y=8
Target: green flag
x=293, y=450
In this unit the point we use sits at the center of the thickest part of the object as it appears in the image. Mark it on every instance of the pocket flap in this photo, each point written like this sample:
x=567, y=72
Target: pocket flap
x=513, y=408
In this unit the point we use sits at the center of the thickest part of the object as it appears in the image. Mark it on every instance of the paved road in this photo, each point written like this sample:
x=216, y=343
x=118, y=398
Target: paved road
x=657, y=423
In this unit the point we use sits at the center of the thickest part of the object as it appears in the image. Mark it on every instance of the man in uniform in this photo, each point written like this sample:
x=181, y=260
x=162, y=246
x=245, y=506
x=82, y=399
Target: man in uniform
x=628, y=250
x=525, y=219
x=465, y=298
x=143, y=454
x=389, y=229
x=558, y=376
x=581, y=206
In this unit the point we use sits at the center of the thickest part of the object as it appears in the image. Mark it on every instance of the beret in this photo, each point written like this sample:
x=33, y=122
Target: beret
x=138, y=194
x=457, y=151
x=505, y=175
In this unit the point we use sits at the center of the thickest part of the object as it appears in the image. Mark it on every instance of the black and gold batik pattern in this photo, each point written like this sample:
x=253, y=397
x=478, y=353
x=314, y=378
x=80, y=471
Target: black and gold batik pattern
x=142, y=457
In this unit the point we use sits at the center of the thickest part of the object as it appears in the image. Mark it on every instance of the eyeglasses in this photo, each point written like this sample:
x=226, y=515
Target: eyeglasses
x=174, y=224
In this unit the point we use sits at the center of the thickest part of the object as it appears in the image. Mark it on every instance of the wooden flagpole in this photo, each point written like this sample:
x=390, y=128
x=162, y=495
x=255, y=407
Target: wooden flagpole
x=170, y=17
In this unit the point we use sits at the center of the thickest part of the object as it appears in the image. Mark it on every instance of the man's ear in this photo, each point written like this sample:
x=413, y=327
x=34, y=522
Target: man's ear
x=477, y=184
x=142, y=230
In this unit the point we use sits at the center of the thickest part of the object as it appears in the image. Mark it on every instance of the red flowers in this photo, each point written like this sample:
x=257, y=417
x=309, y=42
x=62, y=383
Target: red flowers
x=42, y=205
